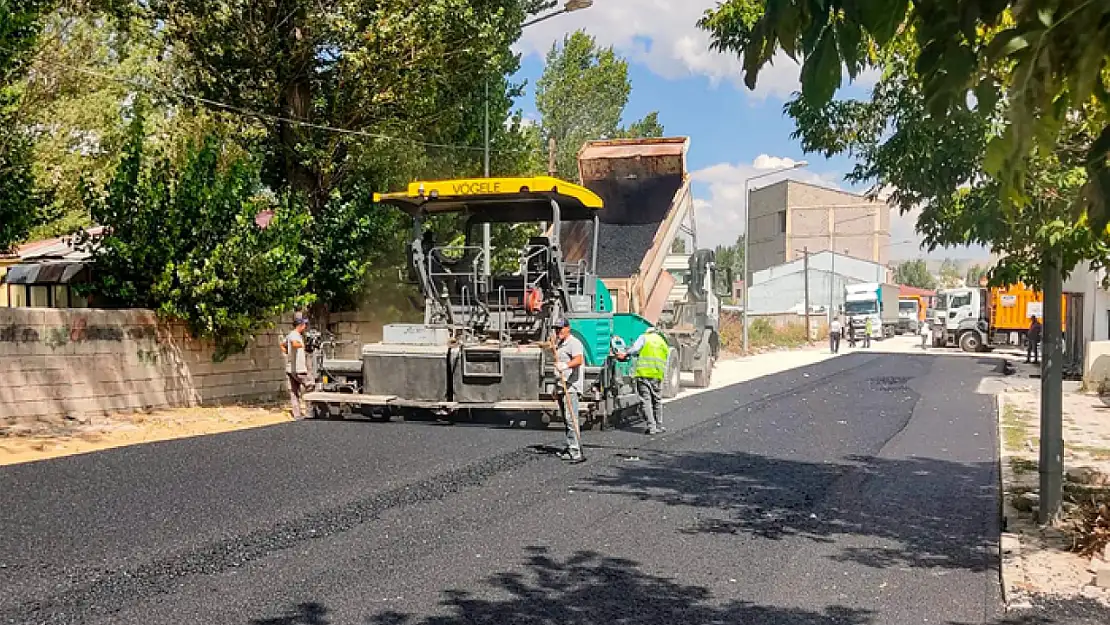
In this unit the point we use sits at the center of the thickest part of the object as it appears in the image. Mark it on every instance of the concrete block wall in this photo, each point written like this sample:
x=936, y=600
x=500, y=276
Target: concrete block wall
x=56, y=362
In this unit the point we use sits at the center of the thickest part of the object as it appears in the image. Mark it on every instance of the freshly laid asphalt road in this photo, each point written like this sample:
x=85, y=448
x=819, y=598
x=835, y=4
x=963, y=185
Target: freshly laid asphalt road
x=860, y=490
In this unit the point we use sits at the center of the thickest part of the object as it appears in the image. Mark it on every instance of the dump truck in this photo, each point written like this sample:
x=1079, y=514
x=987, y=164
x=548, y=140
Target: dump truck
x=485, y=344
x=875, y=301
x=974, y=319
x=649, y=203
x=911, y=313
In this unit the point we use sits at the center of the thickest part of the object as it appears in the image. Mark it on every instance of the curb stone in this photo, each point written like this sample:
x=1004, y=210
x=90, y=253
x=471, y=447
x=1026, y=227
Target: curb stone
x=1011, y=562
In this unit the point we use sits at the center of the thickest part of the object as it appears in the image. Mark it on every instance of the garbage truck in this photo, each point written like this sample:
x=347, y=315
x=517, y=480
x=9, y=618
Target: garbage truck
x=974, y=319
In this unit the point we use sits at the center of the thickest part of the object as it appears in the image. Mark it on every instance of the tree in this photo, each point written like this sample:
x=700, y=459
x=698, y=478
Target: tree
x=184, y=241
x=76, y=101
x=20, y=26
x=678, y=246
x=1057, y=49
x=646, y=128
x=581, y=96
x=393, y=68
x=914, y=273
x=351, y=98
x=950, y=276
x=731, y=257
x=975, y=273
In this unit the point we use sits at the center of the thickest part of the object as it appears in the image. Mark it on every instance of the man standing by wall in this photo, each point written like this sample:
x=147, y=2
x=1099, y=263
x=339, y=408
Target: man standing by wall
x=570, y=357
x=1033, y=342
x=652, y=351
x=834, y=336
x=296, y=364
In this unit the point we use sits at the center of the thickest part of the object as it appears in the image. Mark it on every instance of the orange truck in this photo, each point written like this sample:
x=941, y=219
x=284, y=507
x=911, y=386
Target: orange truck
x=1012, y=308
x=974, y=318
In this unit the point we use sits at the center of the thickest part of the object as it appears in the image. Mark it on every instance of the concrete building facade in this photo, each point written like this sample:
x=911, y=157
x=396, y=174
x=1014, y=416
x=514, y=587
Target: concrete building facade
x=788, y=216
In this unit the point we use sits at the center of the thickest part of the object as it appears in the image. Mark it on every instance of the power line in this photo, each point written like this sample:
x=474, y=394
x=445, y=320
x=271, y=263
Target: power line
x=163, y=90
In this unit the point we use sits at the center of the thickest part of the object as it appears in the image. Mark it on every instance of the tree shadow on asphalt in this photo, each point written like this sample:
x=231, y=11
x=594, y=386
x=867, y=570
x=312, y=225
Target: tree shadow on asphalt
x=590, y=588
x=945, y=524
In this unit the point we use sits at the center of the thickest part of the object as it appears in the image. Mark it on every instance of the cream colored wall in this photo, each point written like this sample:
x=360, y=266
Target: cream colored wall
x=56, y=362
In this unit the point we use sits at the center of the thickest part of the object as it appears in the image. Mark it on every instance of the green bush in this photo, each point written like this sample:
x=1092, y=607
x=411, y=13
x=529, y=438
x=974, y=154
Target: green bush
x=181, y=238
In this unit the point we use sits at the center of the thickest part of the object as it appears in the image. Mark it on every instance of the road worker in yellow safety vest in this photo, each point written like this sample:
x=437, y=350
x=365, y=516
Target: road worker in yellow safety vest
x=651, y=351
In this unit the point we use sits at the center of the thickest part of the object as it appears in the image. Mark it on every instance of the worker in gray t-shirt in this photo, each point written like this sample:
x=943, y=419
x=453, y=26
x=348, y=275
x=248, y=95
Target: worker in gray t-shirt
x=570, y=360
x=296, y=364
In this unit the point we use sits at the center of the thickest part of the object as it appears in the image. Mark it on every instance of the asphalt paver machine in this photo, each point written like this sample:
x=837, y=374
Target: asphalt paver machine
x=485, y=344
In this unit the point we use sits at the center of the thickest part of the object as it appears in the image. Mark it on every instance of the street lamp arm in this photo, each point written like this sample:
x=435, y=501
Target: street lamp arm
x=543, y=18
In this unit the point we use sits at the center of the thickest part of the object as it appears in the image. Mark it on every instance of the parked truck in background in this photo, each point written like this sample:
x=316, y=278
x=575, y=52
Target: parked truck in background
x=974, y=318
x=875, y=301
x=911, y=313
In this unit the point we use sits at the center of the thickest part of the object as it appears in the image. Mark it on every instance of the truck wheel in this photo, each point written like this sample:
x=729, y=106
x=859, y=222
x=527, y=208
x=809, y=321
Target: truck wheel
x=970, y=342
x=672, y=381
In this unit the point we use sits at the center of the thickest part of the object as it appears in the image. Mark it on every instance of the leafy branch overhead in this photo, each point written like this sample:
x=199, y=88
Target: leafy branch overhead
x=1046, y=61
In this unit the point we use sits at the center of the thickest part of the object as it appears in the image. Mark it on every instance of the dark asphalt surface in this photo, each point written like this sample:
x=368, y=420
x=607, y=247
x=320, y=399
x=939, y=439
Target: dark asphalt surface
x=860, y=490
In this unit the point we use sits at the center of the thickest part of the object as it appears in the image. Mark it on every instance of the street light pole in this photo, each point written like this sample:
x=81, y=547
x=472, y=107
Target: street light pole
x=570, y=7
x=748, y=238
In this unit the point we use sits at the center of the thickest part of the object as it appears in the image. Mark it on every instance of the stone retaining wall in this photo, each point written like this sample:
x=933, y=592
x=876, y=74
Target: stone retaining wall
x=57, y=362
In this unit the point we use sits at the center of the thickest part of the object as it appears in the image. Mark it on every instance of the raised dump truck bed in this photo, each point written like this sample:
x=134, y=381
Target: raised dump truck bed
x=647, y=200
x=648, y=203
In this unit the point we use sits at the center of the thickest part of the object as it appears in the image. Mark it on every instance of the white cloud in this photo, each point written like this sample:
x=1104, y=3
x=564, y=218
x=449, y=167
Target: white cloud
x=663, y=36
x=721, y=212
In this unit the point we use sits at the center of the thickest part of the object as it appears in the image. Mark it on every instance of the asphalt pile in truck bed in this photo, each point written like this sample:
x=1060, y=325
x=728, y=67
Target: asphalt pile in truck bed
x=634, y=209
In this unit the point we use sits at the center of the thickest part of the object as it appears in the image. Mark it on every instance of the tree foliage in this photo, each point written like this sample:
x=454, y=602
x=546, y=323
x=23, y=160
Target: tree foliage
x=1045, y=61
x=937, y=163
x=183, y=240
x=20, y=25
x=731, y=257
x=383, y=67
x=581, y=97
x=914, y=273
x=76, y=100
x=975, y=273
x=950, y=275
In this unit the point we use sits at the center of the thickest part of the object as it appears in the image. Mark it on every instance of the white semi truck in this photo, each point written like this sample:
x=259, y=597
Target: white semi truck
x=875, y=301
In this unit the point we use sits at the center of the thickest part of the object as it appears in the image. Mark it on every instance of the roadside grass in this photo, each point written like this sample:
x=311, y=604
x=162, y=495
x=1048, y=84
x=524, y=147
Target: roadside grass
x=1023, y=466
x=1015, y=427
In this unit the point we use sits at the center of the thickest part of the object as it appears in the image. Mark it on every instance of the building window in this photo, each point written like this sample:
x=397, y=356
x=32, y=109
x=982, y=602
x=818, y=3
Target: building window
x=40, y=296
x=61, y=296
x=782, y=222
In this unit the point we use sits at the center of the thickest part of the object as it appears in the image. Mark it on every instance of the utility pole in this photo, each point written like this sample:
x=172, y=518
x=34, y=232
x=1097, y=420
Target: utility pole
x=805, y=274
x=1052, y=370
x=485, y=226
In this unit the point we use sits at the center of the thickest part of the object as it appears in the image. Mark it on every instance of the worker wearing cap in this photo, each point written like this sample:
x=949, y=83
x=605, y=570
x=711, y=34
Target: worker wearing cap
x=651, y=351
x=296, y=364
x=570, y=357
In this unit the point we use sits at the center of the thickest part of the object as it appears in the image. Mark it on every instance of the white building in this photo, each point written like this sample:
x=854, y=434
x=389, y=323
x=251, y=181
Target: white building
x=781, y=289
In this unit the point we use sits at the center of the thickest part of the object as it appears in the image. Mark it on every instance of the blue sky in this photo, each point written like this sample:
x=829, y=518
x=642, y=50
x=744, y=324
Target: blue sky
x=733, y=132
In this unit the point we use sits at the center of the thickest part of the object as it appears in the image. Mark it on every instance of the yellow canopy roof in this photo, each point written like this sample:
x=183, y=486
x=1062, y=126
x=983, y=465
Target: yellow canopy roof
x=496, y=199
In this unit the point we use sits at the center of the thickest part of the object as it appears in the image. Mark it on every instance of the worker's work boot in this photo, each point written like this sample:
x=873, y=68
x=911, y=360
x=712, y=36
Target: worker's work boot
x=568, y=455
